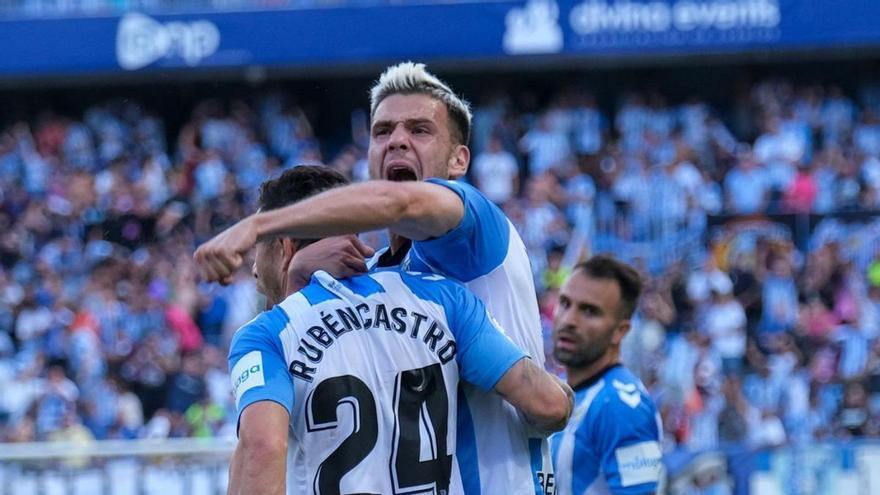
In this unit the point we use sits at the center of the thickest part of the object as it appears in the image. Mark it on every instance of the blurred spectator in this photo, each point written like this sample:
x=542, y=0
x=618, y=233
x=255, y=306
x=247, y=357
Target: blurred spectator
x=779, y=298
x=734, y=416
x=703, y=281
x=545, y=146
x=725, y=324
x=801, y=193
x=57, y=403
x=496, y=172
x=766, y=430
x=71, y=430
x=747, y=186
x=853, y=415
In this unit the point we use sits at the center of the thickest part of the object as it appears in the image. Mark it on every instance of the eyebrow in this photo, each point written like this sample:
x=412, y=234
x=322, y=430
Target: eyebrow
x=407, y=122
x=588, y=305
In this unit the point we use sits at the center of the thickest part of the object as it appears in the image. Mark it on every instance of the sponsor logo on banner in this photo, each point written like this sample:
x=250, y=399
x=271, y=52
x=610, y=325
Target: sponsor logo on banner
x=142, y=40
x=628, y=22
x=533, y=28
x=597, y=16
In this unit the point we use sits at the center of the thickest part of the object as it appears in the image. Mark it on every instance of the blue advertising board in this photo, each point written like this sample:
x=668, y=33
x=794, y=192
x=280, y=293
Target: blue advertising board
x=471, y=31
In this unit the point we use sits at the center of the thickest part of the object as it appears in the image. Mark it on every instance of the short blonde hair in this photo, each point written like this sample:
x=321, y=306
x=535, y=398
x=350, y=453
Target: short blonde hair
x=412, y=78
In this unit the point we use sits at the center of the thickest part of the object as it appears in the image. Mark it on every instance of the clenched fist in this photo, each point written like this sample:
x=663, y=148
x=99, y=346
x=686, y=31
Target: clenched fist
x=219, y=258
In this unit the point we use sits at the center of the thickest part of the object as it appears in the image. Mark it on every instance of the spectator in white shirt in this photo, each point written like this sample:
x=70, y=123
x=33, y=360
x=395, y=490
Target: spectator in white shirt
x=766, y=430
x=496, y=172
x=545, y=147
x=726, y=325
x=778, y=151
x=703, y=281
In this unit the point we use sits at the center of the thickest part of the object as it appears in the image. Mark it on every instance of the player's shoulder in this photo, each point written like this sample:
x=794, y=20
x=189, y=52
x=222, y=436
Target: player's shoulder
x=432, y=286
x=457, y=186
x=624, y=394
x=469, y=194
x=261, y=331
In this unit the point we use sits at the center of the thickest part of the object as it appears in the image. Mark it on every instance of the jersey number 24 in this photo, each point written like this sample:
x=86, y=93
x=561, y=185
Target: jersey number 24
x=414, y=390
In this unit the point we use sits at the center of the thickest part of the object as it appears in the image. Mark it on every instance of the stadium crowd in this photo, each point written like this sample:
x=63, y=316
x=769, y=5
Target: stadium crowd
x=753, y=338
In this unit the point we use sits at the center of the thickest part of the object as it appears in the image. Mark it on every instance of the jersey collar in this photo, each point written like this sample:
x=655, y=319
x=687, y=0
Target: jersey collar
x=393, y=259
x=589, y=382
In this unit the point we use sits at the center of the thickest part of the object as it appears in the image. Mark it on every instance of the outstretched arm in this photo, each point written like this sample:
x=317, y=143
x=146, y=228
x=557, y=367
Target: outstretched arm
x=260, y=460
x=415, y=210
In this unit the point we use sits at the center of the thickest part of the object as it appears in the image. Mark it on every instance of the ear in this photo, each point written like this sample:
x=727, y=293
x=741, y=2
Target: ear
x=459, y=161
x=621, y=331
x=288, y=249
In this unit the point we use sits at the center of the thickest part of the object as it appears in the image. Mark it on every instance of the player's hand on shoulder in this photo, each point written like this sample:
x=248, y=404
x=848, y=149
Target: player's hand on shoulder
x=219, y=258
x=340, y=256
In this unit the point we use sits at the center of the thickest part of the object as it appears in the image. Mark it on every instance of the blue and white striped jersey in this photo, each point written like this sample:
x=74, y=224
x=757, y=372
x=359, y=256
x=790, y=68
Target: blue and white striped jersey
x=369, y=370
x=498, y=451
x=612, y=442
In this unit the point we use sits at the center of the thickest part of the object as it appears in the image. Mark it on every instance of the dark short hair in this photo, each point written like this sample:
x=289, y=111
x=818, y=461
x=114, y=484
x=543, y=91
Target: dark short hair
x=629, y=281
x=297, y=184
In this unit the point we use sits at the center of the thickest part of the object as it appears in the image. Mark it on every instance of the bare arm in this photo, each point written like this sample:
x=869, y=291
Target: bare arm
x=259, y=464
x=545, y=401
x=415, y=210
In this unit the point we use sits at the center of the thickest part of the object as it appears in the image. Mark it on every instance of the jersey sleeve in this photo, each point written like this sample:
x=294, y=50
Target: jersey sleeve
x=476, y=246
x=258, y=370
x=484, y=353
x=627, y=440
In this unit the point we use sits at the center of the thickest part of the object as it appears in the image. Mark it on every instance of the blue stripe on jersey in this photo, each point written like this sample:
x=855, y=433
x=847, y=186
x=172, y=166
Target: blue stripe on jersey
x=466, y=448
x=265, y=376
x=315, y=294
x=279, y=314
x=364, y=286
x=472, y=249
x=537, y=461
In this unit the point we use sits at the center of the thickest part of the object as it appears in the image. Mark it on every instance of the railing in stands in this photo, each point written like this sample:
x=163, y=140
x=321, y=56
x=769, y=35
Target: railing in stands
x=186, y=466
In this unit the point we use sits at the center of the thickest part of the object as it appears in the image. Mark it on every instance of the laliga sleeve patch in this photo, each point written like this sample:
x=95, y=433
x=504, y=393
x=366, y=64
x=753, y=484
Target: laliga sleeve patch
x=639, y=463
x=247, y=374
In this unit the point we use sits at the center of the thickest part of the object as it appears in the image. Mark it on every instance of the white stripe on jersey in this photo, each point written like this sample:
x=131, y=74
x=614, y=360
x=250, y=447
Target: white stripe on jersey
x=293, y=305
x=564, y=464
x=508, y=293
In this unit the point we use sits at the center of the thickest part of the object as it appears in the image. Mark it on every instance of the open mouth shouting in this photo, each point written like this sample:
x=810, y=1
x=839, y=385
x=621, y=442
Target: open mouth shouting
x=400, y=172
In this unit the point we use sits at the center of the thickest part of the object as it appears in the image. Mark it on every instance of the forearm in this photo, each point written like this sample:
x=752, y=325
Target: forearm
x=235, y=485
x=414, y=210
x=546, y=402
x=250, y=472
x=259, y=464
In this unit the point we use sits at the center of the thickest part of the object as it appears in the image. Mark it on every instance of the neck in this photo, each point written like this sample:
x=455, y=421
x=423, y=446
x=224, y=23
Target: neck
x=396, y=242
x=577, y=376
